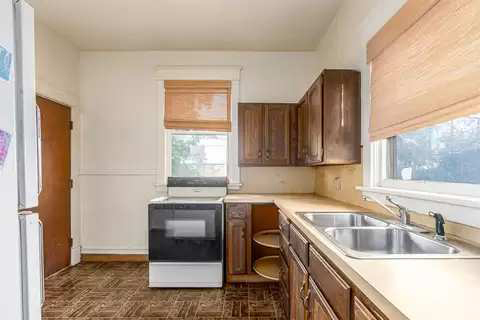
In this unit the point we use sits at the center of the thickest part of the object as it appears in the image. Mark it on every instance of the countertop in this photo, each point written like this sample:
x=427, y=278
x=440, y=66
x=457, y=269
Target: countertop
x=402, y=288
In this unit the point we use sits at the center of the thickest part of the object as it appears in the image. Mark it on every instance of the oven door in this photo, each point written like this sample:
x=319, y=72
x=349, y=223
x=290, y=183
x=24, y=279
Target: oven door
x=185, y=232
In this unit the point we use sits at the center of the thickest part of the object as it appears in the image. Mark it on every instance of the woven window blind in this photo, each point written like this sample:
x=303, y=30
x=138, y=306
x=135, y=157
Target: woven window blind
x=197, y=105
x=427, y=73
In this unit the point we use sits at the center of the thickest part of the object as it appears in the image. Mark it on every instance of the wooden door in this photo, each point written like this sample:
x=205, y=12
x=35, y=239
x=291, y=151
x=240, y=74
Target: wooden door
x=360, y=311
x=318, y=307
x=342, y=115
x=237, y=246
x=298, y=278
x=54, y=201
x=302, y=132
x=277, y=135
x=250, y=134
x=315, y=122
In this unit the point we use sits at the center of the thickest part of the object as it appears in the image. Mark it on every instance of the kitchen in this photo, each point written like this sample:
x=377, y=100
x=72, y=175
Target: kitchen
x=130, y=134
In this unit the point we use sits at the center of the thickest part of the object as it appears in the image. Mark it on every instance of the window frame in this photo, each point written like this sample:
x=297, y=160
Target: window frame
x=168, y=145
x=461, y=206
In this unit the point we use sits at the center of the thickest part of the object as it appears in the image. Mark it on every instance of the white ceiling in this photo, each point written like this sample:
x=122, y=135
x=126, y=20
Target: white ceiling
x=254, y=25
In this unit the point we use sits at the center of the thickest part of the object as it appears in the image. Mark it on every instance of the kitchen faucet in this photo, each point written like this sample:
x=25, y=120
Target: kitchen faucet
x=402, y=211
x=402, y=214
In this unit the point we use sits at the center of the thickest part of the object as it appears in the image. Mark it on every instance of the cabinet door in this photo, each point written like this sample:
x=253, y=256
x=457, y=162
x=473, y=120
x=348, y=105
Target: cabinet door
x=277, y=135
x=315, y=122
x=318, y=307
x=298, y=278
x=236, y=246
x=360, y=311
x=341, y=116
x=250, y=134
x=302, y=134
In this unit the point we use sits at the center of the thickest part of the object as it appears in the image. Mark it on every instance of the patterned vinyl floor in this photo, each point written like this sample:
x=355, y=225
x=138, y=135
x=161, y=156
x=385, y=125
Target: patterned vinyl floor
x=120, y=291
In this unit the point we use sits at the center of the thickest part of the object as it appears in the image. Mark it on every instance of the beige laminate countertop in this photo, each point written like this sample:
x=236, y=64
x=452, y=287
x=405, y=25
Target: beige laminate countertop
x=402, y=288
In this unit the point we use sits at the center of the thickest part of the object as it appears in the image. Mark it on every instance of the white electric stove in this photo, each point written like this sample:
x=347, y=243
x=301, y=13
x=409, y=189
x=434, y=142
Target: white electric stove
x=186, y=234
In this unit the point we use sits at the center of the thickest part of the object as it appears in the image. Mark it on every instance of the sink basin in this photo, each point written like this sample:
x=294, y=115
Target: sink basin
x=386, y=243
x=342, y=219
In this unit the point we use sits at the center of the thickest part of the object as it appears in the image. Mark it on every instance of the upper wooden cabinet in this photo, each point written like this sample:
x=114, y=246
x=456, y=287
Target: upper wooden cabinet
x=264, y=134
x=323, y=128
x=332, y=126
x=250, y=134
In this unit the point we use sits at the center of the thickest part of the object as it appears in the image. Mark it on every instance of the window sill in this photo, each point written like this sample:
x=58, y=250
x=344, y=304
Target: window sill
x=461, y=209
x=471, y=202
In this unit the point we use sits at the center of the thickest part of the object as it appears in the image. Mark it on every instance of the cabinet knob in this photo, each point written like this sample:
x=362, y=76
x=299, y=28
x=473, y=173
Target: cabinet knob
x=259, y=154
x=268, y=154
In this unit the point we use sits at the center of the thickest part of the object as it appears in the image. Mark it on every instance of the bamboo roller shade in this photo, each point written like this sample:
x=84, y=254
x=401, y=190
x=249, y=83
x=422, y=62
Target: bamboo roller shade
x=197, y=105
x=426, y=70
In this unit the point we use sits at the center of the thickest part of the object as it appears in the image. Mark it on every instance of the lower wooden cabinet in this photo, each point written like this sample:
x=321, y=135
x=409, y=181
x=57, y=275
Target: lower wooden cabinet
x=298, y=278
x=237, y=246
x=318, y=307
x=361, y=312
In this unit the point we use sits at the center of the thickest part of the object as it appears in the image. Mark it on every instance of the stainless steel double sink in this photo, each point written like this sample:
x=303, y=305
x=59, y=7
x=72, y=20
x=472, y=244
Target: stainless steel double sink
x=362, y=236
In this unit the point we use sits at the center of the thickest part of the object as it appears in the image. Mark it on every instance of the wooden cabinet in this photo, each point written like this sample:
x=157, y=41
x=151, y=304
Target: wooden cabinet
x=302, y=132
x=318, y=307
x=315, y=123
x=341, y=117
x=330, y=130
x=250, y=134
x=237, y=244
x=277, y=135
x=238, y=238
x=265, y=134
x=298, y=278
x=361, y=312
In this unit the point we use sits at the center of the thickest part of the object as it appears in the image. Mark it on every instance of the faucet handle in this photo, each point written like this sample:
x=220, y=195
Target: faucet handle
x=439, y=228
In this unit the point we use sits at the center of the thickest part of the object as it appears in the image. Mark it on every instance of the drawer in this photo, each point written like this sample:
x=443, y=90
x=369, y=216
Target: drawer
x=284, y=247
x=299, y=244
x=284, y=225
x=334, y=288
x=284, y=272
x=237, y=210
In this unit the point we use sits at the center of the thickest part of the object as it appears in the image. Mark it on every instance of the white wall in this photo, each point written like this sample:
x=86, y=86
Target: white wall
x=119, y=99
x=57, y=62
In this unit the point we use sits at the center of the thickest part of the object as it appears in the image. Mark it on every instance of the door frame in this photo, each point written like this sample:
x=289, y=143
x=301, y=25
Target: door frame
x=69, y=100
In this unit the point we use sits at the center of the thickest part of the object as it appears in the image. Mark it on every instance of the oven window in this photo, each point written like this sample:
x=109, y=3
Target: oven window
x=188, y=224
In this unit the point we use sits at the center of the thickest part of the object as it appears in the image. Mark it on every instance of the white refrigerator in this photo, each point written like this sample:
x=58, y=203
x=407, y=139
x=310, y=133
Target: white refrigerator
x=21, y=276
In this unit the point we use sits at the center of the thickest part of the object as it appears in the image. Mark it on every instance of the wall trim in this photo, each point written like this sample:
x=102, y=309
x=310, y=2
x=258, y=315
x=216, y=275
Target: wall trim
x=75, y=255
x=114, y=258
x=114, y=250
x=205, y=72
x=118, y=172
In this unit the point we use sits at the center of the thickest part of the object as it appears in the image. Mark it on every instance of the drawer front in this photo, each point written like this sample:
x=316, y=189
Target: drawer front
x=284, y=247
x=237, y=210
x=284, y=225
x=299, y=244
x=334, y=288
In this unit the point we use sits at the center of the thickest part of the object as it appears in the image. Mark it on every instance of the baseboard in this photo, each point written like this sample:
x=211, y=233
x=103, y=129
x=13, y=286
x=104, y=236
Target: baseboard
x=75, y=256
x=114, y=257
x=113, y=250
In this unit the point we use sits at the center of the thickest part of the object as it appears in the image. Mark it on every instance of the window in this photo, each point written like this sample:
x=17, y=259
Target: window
x=198, y=155
x=447, y=152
